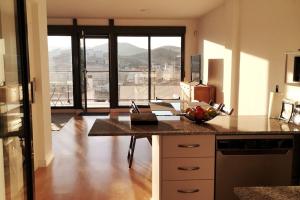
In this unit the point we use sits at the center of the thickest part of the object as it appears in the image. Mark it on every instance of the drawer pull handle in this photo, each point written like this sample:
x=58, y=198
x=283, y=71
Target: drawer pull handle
x=188, y=191
x=188, y=168
x=189, y=145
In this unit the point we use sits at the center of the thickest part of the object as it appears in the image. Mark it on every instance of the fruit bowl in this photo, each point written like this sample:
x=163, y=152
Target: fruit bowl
x=201, y=115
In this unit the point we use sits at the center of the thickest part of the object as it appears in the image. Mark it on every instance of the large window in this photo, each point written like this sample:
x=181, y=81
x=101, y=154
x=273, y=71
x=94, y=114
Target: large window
x=148, y=73
x=109, y=66
x=133, y=70
x=60, y=71
x=165, y=67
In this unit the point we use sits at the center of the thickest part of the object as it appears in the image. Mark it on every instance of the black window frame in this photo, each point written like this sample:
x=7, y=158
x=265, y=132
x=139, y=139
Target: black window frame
x=113, y=32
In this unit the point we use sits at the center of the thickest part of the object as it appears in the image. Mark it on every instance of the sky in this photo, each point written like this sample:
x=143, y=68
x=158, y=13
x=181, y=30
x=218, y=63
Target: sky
x=64, y=42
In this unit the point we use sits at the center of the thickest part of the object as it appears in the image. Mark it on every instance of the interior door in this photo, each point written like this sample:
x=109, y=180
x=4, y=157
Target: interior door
x=83, y=70
x=16, y=165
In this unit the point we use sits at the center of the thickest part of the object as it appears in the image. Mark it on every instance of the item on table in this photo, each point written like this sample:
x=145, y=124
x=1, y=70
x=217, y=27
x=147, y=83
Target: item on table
x=200, y=115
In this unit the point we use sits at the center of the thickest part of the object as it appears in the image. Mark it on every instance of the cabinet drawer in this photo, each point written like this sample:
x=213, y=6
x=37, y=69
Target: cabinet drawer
x=188, y=146
x=188, y=190
x=188, y=168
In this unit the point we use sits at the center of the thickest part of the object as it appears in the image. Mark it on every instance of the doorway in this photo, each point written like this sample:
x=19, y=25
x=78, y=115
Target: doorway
x=94, y=64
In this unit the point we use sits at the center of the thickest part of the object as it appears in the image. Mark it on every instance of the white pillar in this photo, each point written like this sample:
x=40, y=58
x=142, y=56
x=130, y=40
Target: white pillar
x=38, y=58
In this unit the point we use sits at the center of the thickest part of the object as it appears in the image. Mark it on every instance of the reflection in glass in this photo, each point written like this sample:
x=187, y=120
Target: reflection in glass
x=12, y=159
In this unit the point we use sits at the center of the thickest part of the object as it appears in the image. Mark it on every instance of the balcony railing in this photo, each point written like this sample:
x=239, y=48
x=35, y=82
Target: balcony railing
x=133, y=85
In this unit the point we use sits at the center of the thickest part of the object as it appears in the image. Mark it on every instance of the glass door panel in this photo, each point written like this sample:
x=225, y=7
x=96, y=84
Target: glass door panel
x=97, y=72
x=60, y=71
x=15, y=164
x=83, y=84
x=133, y=69
x=165, y=67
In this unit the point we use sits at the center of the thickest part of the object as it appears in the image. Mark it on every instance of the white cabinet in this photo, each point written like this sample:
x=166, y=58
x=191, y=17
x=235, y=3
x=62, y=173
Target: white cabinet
x=183, y=167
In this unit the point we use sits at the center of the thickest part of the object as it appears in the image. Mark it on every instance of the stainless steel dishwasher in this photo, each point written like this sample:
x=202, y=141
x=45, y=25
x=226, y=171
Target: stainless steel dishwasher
x=252, y=160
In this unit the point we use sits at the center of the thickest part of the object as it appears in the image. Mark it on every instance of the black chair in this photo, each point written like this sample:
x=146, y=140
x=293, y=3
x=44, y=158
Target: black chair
x=134, y=109
x=227, y=110
x=215, y=105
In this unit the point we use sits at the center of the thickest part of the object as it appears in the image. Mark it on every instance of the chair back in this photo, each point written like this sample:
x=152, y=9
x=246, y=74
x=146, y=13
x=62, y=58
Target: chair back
x=134, y=108
x=227, y=110
x=215, y=105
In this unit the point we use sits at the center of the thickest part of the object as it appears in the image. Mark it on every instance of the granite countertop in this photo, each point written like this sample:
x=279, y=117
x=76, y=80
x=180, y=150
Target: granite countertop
x=118, y=124
x=268, y=193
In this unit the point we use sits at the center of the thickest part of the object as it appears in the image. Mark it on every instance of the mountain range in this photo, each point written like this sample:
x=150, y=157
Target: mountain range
x=128, y=55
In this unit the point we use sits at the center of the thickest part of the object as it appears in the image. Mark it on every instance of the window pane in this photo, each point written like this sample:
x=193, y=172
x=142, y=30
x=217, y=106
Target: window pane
x=97, y=66
x=60, y=70
x=133, y=70
x=165, y=67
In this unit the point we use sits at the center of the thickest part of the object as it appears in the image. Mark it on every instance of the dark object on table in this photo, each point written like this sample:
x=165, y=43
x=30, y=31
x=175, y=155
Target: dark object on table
x=143, y=119
x=134, y=111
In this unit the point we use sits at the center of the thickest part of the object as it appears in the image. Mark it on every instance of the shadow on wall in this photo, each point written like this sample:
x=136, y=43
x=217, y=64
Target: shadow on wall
x=265, y=32
x=215, y=77
x=253, y=77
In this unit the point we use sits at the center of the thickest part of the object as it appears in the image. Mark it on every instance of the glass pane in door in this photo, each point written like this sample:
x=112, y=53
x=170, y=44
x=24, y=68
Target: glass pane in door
x=97, y=72
x=165, y=67
x=83, y=74
x=133, y=70
x=12, y=134
x=60, y=71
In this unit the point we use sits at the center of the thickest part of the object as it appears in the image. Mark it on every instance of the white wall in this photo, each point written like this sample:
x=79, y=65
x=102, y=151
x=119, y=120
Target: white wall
x=258, y=32
x=268, y=30
x=216, y=41
x=190, y=37
x=38, y=57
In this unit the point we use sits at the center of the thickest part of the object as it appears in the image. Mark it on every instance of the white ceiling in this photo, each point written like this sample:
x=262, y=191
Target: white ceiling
x=168, y=9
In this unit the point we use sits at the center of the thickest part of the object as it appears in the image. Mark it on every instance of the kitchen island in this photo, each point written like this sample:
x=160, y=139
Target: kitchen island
x=184, y=153
x=119, y=125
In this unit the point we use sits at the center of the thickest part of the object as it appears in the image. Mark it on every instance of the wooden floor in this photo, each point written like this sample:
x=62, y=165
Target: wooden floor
x=88, y=168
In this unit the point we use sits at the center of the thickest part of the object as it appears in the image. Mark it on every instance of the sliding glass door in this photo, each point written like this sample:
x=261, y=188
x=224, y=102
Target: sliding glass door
x=16, y=165
x=111, y=66
x=60, y=71
x=83, y=73
x=97, y=72
x=94, y=65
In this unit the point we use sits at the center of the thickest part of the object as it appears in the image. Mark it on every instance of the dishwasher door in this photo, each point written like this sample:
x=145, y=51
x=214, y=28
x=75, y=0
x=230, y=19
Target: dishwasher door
x=252, y=162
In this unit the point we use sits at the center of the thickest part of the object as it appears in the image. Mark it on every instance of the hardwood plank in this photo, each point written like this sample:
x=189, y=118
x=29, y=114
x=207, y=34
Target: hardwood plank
x=94, y=167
